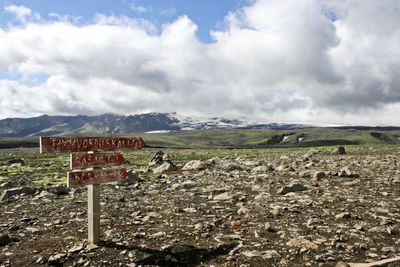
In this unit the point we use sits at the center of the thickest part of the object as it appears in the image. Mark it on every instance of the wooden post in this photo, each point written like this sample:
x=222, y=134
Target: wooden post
x=94, y=213
x=93, y=176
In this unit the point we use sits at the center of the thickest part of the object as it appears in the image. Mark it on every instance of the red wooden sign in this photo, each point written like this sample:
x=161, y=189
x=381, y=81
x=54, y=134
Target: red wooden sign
x=83, y=178
x=96, y=160
x=80, y=144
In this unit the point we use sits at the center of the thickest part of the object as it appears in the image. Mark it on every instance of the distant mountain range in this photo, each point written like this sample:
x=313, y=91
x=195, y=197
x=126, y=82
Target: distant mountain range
x=119, y=124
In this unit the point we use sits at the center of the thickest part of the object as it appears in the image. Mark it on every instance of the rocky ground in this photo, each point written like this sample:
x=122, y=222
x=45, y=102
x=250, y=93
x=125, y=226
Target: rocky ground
x=292, y=208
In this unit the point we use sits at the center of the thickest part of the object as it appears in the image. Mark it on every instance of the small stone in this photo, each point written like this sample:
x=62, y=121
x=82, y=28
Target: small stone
x=222, y=197
x=235, y=224
x=269, y=254
x=339, y=150
x=76, y=248
x=319, y=175
x=388, y=250
x=243, y=210
x=343, y=215
x=300, y=242
x=56, y=259
x=261, y=169
x=276, y=211
x=291, y=188
x=91, y=246
x=4, y=240
x=258, y=180
x=40, y=260
x=198, y=226
x=269, y=228
x=251, y=254
x=188, y=185
x=359, y=227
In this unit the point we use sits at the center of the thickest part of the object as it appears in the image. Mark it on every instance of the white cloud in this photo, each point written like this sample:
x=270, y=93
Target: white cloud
x=138, y=9
x=273, y=61
x=22, y=13
x=168, y=11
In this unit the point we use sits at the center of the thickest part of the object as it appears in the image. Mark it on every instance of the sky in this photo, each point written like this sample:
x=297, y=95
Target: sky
x=321, y=62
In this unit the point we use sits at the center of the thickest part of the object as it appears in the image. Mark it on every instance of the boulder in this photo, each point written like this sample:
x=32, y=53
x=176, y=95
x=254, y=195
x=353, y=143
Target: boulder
x=18, y=182
x=167, y=166
x=17, y=191
x=193, y=165
x=133, y=178
x=157, y=158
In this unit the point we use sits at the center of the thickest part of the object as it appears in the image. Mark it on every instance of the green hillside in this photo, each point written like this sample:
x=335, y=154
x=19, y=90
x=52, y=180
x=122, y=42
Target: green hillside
x=232, y=138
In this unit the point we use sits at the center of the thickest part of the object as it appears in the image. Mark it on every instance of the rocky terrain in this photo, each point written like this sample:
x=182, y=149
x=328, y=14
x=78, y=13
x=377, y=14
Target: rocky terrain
x=298, y=207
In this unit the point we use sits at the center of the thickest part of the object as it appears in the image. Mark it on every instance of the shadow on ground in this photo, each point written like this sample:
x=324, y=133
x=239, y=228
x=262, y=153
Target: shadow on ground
x=178, y=255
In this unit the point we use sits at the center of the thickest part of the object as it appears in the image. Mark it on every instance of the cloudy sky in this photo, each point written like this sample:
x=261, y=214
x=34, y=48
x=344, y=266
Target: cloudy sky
x=309, y=61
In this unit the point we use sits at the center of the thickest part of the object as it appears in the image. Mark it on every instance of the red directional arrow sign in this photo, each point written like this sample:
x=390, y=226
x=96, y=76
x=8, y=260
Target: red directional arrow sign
x=83, y=178
x=81, y=144
x=96, y=160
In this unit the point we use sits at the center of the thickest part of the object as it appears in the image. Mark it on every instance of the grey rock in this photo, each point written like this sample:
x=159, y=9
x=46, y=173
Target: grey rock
x=193, y=165
x=17, y=191
x=258, y=180
x=305, y=174
x=223, y=196
x=16, y=162
x=262, y=169
x=291, y=188
x=16, y=165
x=343, y=215
x=157, y=158
x=230, y=166
x=133, y=178
x=382, y=263
x=76, y=248
x=379, y=229
x=388, y=250
x=301, y=242
x=56, y=259
x=269, y=254
x=186, y=185
x=339, y=150
x=345, y=172
x=18, y=182
x=268, y=227
x=167, y=166
x=166, y=157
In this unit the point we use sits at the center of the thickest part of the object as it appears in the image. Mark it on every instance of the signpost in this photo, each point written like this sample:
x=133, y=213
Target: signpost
x=84, y=144
x=93, y=176
x=83, y=178
x=96, y=160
